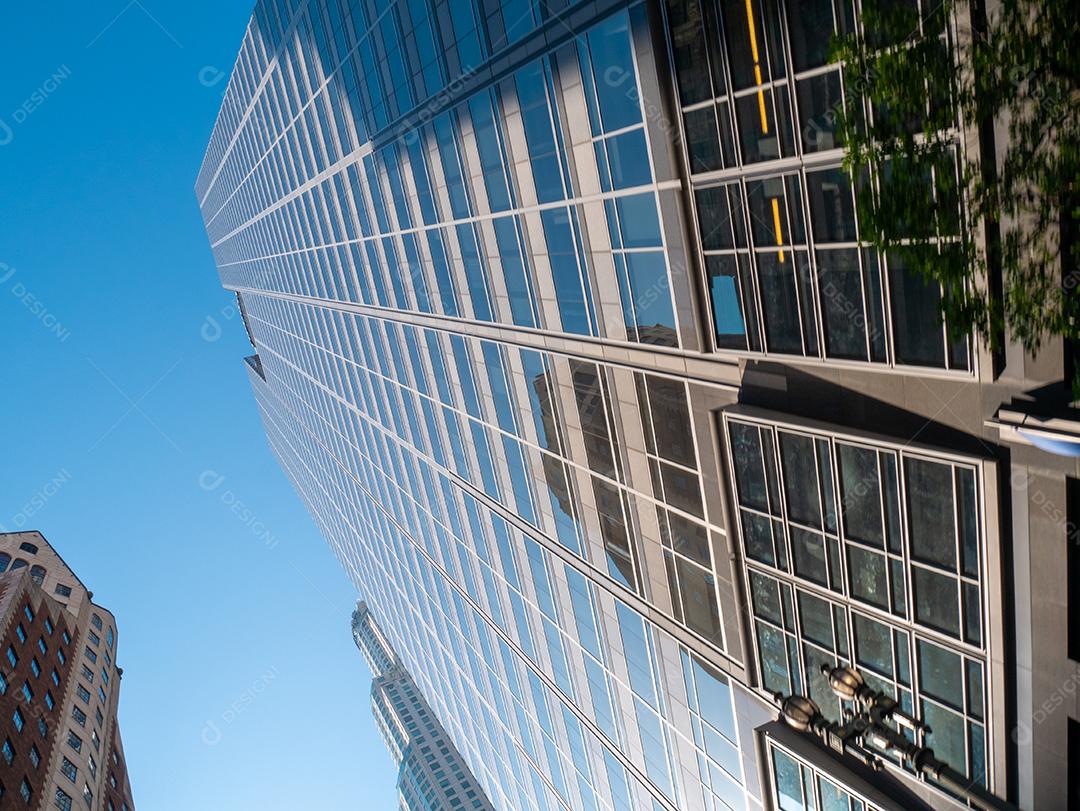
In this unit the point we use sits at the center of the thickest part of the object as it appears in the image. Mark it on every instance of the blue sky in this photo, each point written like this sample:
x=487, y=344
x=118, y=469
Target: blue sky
x=242, y=687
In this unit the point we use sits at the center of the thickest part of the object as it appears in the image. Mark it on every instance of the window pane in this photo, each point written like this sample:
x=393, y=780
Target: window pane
x=840, y=286
x=941, y=674
x=609, y=47
x=788, y=782
x=755, y=48
x=766, y=599
x=868, y=580
x=565, y=271
x=702, y=140
x=727, y=304
x=800, y=476
x=671, y=420
x=780, y=304
x=688, y=45
x=936, y=601
x=832, y=797
x=639, y=224
x=918, y=335
x=699, y=600
x=947, y=735
x=775, y=206
x=810, y=27
x=690, y=538
x=774, y=669
x=757, y=537
x=820, y=103
x=629, y=160
x=764, y=125
x=816, y=618
x=930, y=511
x=860, y=493
x=967, y=517
x=714, y=217
x=832, y=208
x=749, y=474
x=808, y=552
x=873, y=645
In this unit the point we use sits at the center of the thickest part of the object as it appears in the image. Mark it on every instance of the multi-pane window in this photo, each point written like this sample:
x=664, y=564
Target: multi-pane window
x=712, y=719
x=620, y=145
x=69, y=770
x=603, y=456
x=785, y=267
x=868, y=554
x=62, y=800
x=78, y=715
x=797, y=786
x=754, y=80
x=672, y=455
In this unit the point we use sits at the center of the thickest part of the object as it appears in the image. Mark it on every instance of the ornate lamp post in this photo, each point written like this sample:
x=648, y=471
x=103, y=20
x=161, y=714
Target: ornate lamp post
x=872, y=732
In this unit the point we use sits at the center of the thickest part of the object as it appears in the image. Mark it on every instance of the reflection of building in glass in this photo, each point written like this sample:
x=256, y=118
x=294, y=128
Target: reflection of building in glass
x=431, y=773
x=566, y=335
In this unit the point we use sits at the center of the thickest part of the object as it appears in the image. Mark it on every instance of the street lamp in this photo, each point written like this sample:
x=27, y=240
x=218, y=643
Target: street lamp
x=872, y=732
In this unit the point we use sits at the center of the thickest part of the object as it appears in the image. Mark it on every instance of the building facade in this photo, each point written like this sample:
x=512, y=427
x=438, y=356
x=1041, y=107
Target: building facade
x=431, y=774
x=565, y=334
x=59, y=686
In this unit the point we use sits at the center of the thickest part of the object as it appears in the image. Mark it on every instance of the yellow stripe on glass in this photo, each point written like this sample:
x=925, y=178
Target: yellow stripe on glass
x=757, y=65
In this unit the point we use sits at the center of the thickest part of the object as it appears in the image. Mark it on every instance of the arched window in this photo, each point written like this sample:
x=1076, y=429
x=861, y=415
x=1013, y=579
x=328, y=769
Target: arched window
x=5, y=559
x=37, y=574
x=19, y=564
x=28, y=547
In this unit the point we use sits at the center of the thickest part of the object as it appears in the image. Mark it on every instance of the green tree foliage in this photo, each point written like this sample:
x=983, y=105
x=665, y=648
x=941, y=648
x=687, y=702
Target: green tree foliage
x=917, y=87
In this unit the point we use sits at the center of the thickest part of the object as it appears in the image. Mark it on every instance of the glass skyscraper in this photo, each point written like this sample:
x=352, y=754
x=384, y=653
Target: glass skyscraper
x=565, y=334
